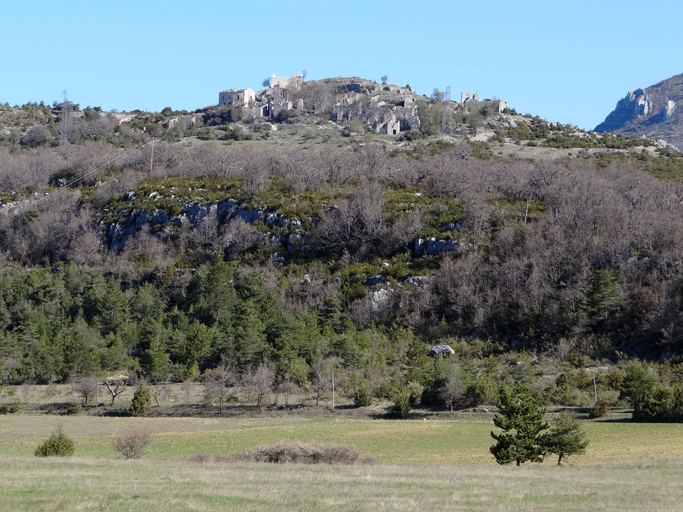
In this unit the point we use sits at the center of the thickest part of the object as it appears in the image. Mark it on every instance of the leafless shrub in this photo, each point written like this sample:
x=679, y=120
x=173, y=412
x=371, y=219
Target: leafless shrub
x=187, y=386
x=239, y=235
x=86, y=386
x=36, y=136
x=133, y=445
x=295, y=452
x=26, y=388
x=357, y=223
x=50, y=388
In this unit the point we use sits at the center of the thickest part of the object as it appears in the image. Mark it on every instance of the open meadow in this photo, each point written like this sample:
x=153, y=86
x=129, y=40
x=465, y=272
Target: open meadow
x=429, y=463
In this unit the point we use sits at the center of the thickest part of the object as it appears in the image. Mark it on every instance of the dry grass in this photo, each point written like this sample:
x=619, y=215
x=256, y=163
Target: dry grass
x=28, y=484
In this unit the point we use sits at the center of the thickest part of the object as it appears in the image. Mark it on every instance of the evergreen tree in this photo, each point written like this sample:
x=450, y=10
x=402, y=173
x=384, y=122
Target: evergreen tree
x=80, y=358
x=602, y=298
x=566, y=437
x=155, y=361
x=141, y=401
x=521, y=421
x=198, y=345
x=333, y=314
x=112, y=308
x=250, y=335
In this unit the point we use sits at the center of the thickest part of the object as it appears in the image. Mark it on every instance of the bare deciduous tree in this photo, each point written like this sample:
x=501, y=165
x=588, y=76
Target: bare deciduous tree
x=260, y=381
x=219, y=380
x=452, y=391
x=115, y=387
x=322, y=372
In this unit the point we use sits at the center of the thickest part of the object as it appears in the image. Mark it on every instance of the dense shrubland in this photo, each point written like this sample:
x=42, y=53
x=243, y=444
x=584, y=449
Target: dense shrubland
x=565, y=270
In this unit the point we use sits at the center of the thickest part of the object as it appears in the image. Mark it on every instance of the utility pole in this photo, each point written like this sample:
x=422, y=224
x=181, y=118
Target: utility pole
x=151, y=161
x=333, y=389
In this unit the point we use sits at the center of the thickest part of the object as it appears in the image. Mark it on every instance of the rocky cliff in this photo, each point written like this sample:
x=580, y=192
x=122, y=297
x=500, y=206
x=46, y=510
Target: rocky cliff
x=656, y=112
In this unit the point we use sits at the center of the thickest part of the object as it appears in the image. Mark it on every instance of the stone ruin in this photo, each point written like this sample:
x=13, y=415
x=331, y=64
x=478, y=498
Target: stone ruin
x=239, y=97
x=269, y=102
x=398, y=113
x=499, y=105
x=468, y=96
x=294, y=83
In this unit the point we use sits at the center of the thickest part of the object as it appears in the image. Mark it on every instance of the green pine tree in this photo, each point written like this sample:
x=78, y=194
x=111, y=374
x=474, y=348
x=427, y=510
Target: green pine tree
x=566, y=437
x=521, y=420
x=602, y=298
x=141, y=401
x=155, y=361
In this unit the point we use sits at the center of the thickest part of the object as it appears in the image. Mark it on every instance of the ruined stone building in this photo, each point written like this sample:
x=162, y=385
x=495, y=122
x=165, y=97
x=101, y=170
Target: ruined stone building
x=283, y=82
x=468, y=96
x=238, y=97
x=268, y=102
x=386, y=113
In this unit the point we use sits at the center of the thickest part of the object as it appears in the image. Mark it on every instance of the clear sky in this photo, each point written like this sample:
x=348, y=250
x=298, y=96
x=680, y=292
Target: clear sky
x=566, y=61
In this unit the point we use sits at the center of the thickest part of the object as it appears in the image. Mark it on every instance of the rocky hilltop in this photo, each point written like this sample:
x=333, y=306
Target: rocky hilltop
x=656, y=112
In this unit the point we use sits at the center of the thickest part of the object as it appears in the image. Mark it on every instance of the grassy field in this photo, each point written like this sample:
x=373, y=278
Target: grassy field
x=431, y=462
x=432, y=441
x=30, y=484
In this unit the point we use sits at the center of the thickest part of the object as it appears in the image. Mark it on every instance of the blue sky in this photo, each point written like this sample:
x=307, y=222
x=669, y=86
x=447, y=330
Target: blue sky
x=566, y=61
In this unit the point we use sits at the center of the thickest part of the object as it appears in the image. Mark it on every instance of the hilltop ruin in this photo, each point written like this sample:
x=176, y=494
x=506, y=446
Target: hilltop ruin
x=383, y=108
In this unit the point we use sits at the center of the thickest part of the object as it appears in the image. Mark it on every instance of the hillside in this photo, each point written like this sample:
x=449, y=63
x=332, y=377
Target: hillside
x=654, y=112
x=160, y=245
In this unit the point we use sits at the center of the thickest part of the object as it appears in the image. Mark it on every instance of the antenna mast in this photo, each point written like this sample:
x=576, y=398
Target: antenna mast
x=64, y=128
x=448, y=93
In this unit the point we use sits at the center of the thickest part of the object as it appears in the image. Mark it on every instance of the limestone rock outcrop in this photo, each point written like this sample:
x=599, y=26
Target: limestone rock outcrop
x=653, y=112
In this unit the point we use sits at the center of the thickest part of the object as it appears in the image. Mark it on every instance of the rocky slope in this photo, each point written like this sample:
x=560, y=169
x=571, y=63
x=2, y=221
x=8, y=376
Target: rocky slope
x=655, y=112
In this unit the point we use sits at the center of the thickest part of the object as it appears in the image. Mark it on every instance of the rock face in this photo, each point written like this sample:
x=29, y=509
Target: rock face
x=654, y=112
x=441, y=350
x=195, y=214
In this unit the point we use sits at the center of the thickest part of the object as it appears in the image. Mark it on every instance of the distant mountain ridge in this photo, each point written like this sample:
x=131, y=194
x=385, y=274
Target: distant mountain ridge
x=656, y=112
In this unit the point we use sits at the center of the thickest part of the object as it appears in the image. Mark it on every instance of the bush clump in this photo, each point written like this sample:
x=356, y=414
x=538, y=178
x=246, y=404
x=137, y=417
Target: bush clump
x=133, y=445
x=600, y=409
x=141, y=401
x=50, y=410
x=57, y=445
x=295, y=452
x=660, y=404
x=73, y=409
x=11, y=408
x=362, y=397
x=401, y=407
